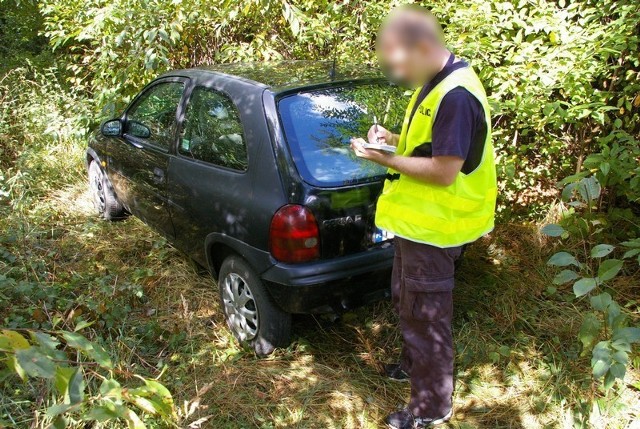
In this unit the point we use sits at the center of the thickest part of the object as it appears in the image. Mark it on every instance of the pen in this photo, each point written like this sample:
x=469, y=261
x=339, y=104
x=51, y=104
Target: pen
x=375, y=124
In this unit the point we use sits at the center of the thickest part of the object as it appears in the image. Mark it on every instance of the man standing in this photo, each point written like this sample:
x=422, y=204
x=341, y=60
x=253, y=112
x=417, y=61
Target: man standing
x=439, y=194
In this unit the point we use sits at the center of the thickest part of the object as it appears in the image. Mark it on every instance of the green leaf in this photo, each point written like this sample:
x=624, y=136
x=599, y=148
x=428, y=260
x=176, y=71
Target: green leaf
x=160, y=395
x=111, y=388
x=158, y=389
x=621, y=357
x=35, y=363
x=600, y=368
x=589, y=330
x=601, y=250
x=102, y=413
x=517, y=40
x=589, y=189
x=634, y=244
x=609, y=269
x=601, y=359
x=601, y=302
x=618, y=370
x=609, y=380
x=621, y=345
x=100, y=355
x=62, y=378
x=504, y=351
x=615, y=317
x=584, y=286
x=91, y=350
x=163, y=35
x=45, y=340
x=133, y=421
x=59, y=423
x=563, y=259
x=145, y=404
x=13, y=365
x=76, y=387
x=120, y=38
x=77, y=341
x=553, y=230
x=631, y=335
x=565, y=276
x=81, y=325
x=58, y=409
x=11, y=340
x=631, y=253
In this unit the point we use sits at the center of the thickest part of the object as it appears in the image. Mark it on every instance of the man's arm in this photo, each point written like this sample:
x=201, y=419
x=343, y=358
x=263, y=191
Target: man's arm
x=454, y=130
x=438, y=170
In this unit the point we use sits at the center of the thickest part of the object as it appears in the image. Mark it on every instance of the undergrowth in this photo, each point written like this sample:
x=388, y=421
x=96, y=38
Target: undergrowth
x=518, y=363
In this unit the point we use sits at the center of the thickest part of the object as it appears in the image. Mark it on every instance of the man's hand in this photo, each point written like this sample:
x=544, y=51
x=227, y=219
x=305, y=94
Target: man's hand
x=379, y=134
x=378, y=156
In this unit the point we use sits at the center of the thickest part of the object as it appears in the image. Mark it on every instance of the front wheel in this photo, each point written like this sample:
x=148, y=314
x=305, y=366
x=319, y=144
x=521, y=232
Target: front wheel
x=251, y=315
x=105, y=200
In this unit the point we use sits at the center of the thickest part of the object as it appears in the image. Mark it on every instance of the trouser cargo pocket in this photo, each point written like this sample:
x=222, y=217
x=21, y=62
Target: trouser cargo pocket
x=427, y=300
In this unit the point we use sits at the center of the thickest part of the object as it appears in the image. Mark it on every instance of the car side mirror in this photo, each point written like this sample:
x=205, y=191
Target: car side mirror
x=112, y=128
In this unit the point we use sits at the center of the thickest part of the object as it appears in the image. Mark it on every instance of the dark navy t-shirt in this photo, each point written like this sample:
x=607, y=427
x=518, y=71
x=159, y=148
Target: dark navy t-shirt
x=459, y=128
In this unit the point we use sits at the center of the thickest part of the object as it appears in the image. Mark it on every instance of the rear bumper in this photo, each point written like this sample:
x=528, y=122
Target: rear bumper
x=334, y=285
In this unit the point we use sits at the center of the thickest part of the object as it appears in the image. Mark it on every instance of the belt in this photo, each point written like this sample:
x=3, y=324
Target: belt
x=391, y=177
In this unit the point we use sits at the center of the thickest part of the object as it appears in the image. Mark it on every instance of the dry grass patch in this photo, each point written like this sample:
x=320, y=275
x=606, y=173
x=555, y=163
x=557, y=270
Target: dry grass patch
x=518, y=361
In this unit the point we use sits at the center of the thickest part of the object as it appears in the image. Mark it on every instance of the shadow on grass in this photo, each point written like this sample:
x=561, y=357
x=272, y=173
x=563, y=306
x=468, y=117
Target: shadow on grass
x=517, y=362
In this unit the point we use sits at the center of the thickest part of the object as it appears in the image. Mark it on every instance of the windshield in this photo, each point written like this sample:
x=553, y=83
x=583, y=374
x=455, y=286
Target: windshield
x=319, y=125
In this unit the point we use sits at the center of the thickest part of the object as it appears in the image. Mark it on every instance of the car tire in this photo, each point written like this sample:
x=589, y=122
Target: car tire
x=104, y=198
x=251, y=315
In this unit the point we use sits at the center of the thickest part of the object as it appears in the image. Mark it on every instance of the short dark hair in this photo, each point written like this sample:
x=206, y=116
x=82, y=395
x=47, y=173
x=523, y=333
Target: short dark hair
x=413, y=24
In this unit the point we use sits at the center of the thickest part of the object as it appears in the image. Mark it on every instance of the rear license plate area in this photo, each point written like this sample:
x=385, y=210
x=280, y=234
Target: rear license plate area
x=380, y=236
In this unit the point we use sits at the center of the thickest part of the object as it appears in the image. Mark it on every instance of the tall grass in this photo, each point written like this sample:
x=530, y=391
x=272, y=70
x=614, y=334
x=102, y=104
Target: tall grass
x=42, y=128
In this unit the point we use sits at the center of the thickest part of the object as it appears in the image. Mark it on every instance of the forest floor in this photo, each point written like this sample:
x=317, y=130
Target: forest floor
x=518, y=362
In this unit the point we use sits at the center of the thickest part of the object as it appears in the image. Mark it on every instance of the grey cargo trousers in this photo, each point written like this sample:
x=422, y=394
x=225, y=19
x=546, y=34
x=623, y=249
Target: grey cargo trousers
x=421, y=286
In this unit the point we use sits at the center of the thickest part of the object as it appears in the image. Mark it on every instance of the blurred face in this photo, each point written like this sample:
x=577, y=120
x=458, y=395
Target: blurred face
x=404, y=63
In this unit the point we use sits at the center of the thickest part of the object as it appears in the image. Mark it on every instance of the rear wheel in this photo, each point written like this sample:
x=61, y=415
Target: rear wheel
x=105, y=200
x=251, y=315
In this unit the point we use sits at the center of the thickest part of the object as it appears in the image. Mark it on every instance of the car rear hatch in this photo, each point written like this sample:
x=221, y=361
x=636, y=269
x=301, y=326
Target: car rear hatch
x=340, y=189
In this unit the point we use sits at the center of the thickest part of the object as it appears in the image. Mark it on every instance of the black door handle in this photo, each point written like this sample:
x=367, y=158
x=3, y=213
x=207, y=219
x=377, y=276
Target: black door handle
x=158, y=175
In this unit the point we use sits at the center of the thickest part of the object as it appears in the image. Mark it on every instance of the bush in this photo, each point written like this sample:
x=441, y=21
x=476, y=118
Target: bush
x=67, y=364
x=562, y=77
x=607, y=331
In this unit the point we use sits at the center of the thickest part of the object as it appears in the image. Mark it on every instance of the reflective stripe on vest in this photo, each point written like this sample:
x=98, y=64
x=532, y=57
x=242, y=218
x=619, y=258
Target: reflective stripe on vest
x=443, y=216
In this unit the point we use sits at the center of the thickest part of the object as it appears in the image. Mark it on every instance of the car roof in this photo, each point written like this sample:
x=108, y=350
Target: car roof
x=285, y=75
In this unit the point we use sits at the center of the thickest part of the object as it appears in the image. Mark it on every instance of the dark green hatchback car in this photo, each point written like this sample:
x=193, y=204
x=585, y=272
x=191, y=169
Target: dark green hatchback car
x=247, y=169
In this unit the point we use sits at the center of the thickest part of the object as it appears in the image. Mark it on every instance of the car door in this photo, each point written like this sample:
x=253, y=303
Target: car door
x=209, y=186
x=140, y=166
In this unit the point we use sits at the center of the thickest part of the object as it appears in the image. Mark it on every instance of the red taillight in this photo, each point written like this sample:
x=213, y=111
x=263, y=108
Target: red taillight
x=294, y=235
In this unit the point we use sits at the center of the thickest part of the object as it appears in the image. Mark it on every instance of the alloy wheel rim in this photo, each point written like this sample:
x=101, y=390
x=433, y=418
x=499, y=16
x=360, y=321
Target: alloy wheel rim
x=98, y=191
x=240, y=307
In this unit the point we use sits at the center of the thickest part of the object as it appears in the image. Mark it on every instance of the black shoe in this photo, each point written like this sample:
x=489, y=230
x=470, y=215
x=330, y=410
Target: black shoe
x=404, y=419
x=394, y=372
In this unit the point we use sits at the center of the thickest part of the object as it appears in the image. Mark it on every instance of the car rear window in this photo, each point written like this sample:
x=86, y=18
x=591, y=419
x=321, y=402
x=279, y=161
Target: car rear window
x=319, y=125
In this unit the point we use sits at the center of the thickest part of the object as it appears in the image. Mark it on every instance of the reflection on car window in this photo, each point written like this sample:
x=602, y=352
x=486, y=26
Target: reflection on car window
x=156, y=112
x=319, y=125
x=213, y=131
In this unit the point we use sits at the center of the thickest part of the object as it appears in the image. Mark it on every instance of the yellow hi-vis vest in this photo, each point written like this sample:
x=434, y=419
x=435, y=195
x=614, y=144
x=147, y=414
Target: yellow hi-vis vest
x=442, y=216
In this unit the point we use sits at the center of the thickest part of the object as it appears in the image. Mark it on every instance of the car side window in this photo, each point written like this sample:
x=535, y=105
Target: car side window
x=212, y=131
x=153, y=117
